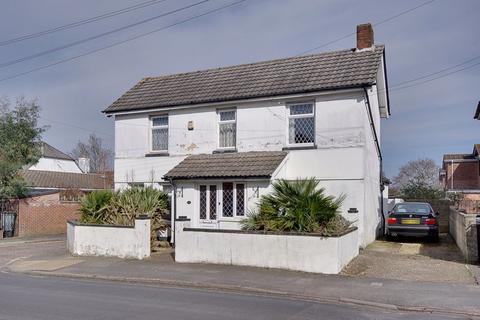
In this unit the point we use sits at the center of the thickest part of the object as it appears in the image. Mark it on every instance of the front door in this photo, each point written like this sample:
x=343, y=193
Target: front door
x=208, y=202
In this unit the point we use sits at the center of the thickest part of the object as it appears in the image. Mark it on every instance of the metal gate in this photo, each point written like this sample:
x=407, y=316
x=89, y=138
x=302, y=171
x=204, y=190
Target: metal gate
x=8, y=217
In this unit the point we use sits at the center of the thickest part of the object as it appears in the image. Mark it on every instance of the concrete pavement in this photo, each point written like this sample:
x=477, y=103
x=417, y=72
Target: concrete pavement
x=458, y=299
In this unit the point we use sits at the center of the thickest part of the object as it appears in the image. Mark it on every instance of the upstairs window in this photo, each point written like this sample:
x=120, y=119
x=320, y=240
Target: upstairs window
x=301, y=124
x=160, y=133
x=227, y=128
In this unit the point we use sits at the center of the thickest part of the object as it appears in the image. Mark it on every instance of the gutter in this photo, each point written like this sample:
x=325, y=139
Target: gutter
x=221, y=102
x=379, y=153
x=386, y=83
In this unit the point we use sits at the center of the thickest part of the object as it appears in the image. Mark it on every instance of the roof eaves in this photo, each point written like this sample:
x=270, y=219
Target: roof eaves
x=234, y=99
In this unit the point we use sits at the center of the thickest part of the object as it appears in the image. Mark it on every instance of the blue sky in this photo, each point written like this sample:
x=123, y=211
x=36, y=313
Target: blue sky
x=427, y=120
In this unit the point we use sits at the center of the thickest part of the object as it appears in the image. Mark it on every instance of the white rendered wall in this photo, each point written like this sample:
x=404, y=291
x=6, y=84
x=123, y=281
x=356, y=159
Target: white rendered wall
x=98, y=240
x=291, y=252
x=345, y=160
x=260, y=126
x=58, y=165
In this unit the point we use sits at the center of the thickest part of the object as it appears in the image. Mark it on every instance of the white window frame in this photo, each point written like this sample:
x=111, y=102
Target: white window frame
x=152, y=127
x=219, y=122
x=245, y=202
x=298, y=116
x=219, y=204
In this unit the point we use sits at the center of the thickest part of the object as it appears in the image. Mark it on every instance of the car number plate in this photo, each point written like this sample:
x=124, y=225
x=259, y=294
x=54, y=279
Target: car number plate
x=410, y=221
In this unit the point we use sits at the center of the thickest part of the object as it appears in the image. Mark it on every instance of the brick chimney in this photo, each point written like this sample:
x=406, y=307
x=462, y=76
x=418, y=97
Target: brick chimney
x=364, y=36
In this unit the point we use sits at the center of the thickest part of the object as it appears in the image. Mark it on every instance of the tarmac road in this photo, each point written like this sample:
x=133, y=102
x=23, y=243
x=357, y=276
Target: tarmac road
x=31, y=297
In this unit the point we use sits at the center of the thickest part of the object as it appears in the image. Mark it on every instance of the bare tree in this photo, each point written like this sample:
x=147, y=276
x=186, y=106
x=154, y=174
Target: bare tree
x=100, y=156
x=421, y=172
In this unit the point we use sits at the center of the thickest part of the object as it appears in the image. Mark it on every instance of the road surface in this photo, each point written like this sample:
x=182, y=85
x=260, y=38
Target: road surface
x=26, y=297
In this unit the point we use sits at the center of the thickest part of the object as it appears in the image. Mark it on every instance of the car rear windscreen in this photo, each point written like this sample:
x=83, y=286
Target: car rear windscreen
x=417, y=208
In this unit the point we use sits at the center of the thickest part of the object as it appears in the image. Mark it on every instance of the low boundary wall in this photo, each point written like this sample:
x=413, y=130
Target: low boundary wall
x=464, y=230
x=110, y=240
x=291, y=251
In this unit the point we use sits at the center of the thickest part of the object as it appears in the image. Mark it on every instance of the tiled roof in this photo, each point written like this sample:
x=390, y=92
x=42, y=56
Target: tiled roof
x=66, y=180
x=458, y=156
x=50, y=152
x=310, y=73
x=228, y=165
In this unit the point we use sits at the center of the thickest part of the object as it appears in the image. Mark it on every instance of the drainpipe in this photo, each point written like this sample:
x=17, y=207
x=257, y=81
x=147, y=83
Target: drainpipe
x=379, y=153
x=451, y=178
x=174, y=204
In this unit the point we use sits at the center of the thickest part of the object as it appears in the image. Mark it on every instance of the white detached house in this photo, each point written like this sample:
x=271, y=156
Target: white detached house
x=219, y=137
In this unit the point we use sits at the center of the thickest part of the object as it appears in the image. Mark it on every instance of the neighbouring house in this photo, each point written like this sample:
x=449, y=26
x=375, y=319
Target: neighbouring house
x=219, y=137
x=477, y=112
x=53, y=159
x=461, y=173
x=55, y=185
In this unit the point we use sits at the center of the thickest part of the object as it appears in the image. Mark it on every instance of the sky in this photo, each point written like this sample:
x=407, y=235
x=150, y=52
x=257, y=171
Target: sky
x=428, y=119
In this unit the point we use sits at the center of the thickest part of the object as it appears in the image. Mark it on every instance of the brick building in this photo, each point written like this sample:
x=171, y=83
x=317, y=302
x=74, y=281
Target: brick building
x=461, y=173
x=55, y=185
x=53, y=199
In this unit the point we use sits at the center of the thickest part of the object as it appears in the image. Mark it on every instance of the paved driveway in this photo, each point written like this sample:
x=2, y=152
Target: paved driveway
x=413, y=259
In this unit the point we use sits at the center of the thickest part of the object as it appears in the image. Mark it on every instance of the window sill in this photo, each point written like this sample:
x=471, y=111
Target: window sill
x=157, y=154
x=226, y=150
x=299, y=147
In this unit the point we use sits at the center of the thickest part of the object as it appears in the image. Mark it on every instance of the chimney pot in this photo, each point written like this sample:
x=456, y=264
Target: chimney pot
x=364, y=36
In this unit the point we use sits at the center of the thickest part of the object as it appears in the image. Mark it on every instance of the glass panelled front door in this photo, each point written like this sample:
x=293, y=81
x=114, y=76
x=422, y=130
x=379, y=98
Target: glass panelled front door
x=208, y=202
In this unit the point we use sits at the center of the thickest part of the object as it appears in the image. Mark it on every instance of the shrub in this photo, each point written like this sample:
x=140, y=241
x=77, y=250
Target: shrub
x=298, y=206
x=94, y=206
x=130, y=203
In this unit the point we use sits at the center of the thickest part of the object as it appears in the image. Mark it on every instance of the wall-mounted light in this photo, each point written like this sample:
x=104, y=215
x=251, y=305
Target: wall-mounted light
x=190, y=125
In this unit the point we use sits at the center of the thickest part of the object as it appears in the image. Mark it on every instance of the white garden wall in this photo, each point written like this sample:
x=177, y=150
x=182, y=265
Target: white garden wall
x=109, y=240
x=308, y=253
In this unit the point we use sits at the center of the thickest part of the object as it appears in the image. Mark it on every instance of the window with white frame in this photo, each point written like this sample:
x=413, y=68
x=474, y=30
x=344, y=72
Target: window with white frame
x=301, y=123
x=159, y=133
x=233, y=199
x=227, y=128
x=231, y=196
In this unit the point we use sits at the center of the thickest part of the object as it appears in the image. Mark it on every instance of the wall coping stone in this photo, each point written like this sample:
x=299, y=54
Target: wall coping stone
x=278, y=233
x=80, y=224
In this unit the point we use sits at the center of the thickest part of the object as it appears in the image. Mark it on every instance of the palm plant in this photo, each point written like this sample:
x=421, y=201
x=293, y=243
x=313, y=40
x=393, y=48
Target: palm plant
x=125, y=206
x=298, y=205
x=94, y=206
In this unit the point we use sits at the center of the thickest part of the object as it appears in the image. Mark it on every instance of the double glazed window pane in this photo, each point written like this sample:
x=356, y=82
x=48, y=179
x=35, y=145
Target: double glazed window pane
x=160, y=121
x=301, y=109
x=227, y=199
x=227, y=129
x=160, y=133
x=302, y=130
x=227, y=134
x=160, y=139
x=301, y=124
x=227, y=115
x=240, y=199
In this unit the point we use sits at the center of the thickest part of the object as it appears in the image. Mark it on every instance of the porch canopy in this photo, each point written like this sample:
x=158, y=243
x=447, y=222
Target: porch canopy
x=254, y=164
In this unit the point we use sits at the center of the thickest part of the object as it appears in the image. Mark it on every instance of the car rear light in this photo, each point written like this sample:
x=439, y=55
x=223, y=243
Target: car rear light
x=430, y=221
x=392, y=220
